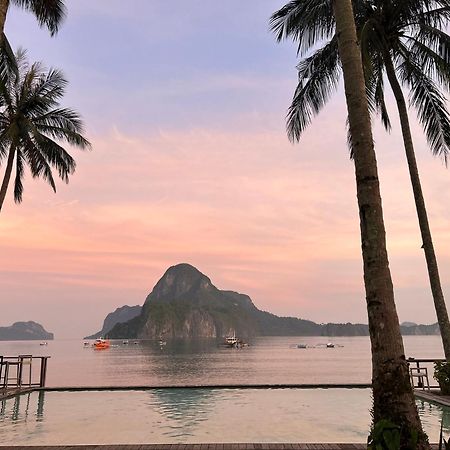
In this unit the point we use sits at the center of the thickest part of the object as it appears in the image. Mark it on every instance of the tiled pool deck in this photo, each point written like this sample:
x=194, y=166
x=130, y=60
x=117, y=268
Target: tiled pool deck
x=204, y=447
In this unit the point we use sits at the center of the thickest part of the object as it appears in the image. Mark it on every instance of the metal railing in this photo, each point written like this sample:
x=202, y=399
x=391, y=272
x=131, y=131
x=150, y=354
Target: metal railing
x=23, y=371
x=420, y=369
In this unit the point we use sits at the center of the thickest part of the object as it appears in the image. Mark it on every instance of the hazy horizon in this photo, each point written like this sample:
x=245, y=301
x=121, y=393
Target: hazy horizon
x=185, y=106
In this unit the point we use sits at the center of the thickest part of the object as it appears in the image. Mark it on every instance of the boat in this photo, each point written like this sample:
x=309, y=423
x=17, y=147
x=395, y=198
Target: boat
x=330, y=345
x=101, y=344
x=231, y=341
x=125, y=342
x=234, y=342
x=43, y=343
x=301, y=345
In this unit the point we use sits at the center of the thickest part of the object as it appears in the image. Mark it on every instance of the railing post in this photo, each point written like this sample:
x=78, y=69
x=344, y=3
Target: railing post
x=43, y=371
x=6, y=375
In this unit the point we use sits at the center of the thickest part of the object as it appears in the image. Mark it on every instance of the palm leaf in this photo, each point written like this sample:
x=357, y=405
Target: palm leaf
x=305, y=21
x=430, y=105
x=318, y=78
x=49, y=13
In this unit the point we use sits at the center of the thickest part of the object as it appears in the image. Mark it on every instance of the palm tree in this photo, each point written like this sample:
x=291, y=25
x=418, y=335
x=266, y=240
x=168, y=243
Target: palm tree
x=49, y=13
x=406, y=37
x=33, y=126
x=392, y=392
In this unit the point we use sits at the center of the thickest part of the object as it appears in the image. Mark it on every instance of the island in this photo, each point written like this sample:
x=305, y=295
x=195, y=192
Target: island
x=185, y=304
x=25, y=331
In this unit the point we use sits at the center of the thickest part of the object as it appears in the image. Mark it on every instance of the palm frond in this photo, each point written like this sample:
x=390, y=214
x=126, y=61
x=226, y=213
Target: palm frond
x=55, y=155
x=63, y=124
x=430, y=62
x=18, y=185
x=306, y=22
x=37, y=163
x=430, y=105
x=49, y=13
x=318, y=78
x=375, y=93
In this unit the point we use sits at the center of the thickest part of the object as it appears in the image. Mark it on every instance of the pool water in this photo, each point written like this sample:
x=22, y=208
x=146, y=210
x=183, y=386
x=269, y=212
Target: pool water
x=196, y=416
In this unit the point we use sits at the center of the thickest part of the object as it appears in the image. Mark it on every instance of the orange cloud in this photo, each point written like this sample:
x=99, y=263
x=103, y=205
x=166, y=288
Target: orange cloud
x=253, y=212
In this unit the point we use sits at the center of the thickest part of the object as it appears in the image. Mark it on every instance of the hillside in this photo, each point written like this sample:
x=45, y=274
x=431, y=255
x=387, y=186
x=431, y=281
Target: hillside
x=24, y=331
x=120, y=315
x=185, y=304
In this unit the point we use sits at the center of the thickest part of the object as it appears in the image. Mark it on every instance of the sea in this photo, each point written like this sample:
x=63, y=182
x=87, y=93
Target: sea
x=267, y=360
x=208, y=414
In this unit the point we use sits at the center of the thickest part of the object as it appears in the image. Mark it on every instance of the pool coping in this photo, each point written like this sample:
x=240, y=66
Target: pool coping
x=25, y=390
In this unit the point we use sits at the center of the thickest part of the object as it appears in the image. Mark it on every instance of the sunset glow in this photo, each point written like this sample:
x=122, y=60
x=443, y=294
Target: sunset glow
x=191, y=163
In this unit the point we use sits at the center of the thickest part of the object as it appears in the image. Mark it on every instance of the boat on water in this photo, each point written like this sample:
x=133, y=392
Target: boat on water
x=101, y=344
x=231, y=341
x=330, y=345
x=301, y=346
x=234, y=342
x=43, y=343
x=125, y=342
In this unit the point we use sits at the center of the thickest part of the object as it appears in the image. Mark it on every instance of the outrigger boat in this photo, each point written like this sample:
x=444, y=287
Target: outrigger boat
x=101, y=344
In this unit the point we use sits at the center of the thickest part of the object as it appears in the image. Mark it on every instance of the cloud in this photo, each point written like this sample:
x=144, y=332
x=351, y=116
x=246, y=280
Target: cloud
x=253, y=212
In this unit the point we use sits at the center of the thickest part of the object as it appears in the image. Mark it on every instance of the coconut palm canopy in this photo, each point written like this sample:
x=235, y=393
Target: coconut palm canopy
x=409, y=33
x=33, y=125
x=407, y=41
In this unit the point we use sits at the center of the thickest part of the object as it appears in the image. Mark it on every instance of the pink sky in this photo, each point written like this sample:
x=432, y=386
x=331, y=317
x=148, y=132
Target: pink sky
x=228, y=194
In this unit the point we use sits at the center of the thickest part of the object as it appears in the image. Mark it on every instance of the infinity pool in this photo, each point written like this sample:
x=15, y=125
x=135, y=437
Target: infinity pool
x=195, y=416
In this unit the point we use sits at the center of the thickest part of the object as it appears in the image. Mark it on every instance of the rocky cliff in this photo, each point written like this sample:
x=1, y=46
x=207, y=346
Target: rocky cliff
x=24, y=331
x=185, y=304
x=120, y=315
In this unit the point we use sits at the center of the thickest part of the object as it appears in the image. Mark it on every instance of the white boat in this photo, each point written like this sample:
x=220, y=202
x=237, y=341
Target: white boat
x=330, y=345
x=43, y=343
x=234, y=342
x=231, y=341
x=125, y=342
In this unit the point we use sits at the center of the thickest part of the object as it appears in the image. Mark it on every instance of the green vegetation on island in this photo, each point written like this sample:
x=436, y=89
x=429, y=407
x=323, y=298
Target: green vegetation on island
x=120, y=315
x=185, y=304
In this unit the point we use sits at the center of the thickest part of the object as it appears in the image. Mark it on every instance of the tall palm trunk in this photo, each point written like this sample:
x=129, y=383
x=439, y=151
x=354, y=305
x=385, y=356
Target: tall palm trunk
x=7, y=175
x=4, y=4
x=392, y=392
x=430, y=256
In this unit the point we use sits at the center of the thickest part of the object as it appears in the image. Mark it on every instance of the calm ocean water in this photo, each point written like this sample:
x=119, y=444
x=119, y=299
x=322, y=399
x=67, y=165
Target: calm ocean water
x=268, y=360
x=204, y=415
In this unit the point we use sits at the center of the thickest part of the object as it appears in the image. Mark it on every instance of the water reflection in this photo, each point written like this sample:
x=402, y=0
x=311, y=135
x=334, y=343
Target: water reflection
x=431, y=413
x=14, y=412
x=196, y=415
x=40, y=406
x=185, y=409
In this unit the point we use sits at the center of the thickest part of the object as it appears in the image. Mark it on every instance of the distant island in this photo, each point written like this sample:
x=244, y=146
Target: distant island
x=120, y=315
x=185, y=304
x=25, y=331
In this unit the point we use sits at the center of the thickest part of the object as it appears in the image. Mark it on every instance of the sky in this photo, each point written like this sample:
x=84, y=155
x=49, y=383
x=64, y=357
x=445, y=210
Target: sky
x=184, y=103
